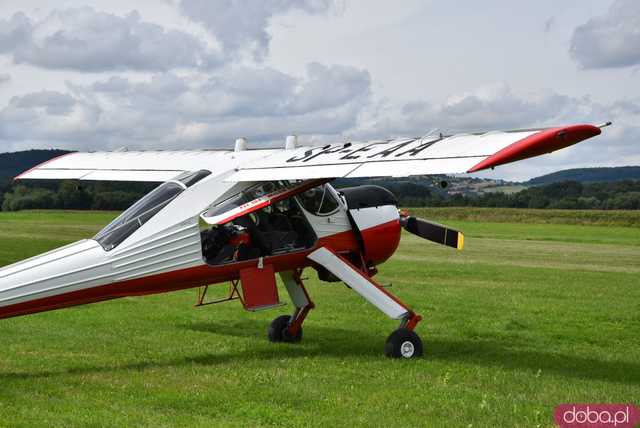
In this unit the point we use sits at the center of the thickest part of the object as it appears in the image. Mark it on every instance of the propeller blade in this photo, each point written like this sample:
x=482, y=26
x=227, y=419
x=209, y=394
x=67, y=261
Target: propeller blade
x=434, y=232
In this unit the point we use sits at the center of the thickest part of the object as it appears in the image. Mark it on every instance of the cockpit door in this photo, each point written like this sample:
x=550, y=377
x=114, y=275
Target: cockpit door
x=262, y=220
x=247, y=202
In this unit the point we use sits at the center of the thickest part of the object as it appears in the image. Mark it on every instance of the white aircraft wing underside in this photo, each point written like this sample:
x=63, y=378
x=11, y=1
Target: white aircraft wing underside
x=149, y=166
x=416, y=156
x=435, y=154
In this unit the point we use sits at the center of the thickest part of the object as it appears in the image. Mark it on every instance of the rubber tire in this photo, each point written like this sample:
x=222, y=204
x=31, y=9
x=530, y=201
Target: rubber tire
x=276, y=328
x=395, y=341
x=286, y=336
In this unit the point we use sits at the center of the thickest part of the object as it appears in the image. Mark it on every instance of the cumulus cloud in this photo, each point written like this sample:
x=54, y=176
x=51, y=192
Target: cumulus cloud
x=489, y=107
x=498, y=107
x=611, y=40
x=241, y=26
x=54, y=103
x=168, y=110
x=87, y=40
x=4, y=78
x=549, y=24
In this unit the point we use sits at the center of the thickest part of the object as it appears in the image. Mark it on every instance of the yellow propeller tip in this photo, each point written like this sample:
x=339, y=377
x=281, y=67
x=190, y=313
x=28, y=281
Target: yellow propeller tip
x=460, y=241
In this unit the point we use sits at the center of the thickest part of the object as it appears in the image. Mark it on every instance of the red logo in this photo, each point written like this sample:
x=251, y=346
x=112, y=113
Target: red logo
x=597, y=416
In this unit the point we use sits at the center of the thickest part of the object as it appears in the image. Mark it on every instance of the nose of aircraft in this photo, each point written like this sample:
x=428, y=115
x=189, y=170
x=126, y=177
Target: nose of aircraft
x=76, y=266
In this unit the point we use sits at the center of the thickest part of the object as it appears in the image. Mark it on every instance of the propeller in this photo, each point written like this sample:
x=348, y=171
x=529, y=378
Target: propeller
x=434, y=232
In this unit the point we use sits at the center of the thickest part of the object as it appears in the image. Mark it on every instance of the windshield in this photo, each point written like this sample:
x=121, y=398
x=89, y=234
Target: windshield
x=318, y=200
x=137, y=215
x=190, y=178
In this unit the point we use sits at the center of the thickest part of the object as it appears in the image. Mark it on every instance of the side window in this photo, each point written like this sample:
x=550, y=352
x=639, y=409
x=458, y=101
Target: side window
x=137, y=215
x=319, y=200
x=143, y=210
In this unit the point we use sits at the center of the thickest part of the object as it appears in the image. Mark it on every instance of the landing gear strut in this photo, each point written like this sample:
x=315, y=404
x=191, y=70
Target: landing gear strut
x=287, y=328
x=402, y=343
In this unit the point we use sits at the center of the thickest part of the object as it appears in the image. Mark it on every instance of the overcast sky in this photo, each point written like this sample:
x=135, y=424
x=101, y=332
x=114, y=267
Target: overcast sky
x=96, y=75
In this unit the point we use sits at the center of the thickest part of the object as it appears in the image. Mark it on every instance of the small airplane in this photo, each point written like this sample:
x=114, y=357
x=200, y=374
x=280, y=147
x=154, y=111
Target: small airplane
x=242, y=216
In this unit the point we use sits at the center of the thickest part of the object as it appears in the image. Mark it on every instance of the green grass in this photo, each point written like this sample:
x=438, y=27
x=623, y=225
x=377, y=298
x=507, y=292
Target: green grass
x=516, y=215
x=526, y=317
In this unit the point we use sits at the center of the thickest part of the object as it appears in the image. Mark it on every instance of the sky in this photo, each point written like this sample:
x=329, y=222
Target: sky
x=193, y=74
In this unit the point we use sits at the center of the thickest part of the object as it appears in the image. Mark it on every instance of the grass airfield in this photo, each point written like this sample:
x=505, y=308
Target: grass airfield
x=526, y=317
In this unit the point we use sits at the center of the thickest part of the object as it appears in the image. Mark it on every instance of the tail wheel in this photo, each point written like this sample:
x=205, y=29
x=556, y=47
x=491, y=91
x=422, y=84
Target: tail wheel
x=403, y=343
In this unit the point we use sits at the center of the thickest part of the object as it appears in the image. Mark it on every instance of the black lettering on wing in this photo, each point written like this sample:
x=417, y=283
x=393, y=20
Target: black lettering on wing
x=386, y=152
x=328, y=149
x=366, y=148
x=416, y=150
x=306, y=155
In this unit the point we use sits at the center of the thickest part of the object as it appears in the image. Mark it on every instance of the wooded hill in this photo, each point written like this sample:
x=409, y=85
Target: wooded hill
x=588, y=175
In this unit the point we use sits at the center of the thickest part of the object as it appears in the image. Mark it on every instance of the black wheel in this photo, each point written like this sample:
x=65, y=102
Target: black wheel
x=287, y=337
x=276, y=328
x=403, y=343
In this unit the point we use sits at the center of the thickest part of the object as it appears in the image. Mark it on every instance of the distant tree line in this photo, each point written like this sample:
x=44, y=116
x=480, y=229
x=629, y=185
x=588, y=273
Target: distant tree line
x=623, y=195
x=119, y=196
x=69, y=195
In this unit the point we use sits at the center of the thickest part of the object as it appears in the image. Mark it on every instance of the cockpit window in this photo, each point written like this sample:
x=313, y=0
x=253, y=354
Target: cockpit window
x=243, y=197
x=137, y=215
x=190, y=178
x=318, y=200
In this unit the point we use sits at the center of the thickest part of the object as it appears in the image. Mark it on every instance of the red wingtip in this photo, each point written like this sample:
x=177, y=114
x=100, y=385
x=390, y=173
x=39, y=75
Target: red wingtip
x=539, y=143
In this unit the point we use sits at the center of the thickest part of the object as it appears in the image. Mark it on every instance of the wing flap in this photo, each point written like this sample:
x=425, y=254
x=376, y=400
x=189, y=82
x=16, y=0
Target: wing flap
x=302, y=173
x=415, y=167
x=52, y=174
x=131, y=175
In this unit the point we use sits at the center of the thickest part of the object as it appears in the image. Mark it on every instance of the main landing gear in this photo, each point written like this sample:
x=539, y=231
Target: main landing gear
x=402, y=343
x=287, y=328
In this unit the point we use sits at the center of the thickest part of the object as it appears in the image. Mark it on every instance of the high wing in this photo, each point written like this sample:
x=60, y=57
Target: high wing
x=433, y=154
x=436, y=154
x=149, y=166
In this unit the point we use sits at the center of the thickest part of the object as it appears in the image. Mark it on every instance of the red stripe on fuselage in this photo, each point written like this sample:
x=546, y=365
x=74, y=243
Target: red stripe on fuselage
x=343, y=242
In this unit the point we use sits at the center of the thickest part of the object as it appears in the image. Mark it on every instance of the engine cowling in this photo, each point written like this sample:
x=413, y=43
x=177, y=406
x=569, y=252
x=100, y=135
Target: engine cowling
x=373, y=211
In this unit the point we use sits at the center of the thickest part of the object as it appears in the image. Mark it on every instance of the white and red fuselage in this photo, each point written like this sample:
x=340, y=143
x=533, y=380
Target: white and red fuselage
x=165, y=253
